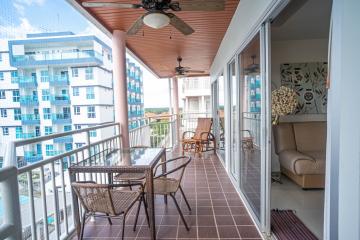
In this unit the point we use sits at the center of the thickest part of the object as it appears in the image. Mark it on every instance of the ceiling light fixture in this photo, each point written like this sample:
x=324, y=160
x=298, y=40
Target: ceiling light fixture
x=156, y=20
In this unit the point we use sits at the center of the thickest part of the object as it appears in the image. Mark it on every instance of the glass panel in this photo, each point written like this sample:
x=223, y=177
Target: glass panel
x=250, y=102
x=221, y=116
x=234, y=162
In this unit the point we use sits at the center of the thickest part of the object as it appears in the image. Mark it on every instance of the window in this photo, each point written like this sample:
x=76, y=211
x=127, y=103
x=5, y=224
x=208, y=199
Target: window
x=1, y=158
x=48, y=130
x=3, y=112
x=76, y=110
x=90, y=93
x=47, y=113
x=44, y=75
x=5, y=131
x=14, y=76
x=91, y=112
x=75, y=72
x=67, y=128
x=16, y=96
x=77, y=127
x=17, y=114
x=1, y=58
x=93, y=133
x=76, y=91
x=68, y=146
x=49, y=149
x=45, y=94
x=37, y=131
x=18, y=132
x=2, y=94
x=1, y=76
x=89, y=73
x=79, y=145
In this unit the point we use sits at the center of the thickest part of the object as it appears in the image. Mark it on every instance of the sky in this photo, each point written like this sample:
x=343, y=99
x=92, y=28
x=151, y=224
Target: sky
x=18, y=17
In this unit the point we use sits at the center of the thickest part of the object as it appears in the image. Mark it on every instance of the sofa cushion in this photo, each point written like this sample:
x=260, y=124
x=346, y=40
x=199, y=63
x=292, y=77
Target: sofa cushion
x=303, y=163
x=284, y=137
x=310, y=136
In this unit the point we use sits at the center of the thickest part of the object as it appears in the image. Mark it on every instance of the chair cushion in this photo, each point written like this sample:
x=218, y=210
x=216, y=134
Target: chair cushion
x=310, y=136
x=284, y=137
x=303, y=163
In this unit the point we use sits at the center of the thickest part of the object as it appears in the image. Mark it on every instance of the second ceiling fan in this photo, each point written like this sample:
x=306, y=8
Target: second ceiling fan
x=157, y=15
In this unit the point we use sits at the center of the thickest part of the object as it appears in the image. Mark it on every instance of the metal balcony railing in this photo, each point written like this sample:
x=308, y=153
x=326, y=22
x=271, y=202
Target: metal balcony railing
x=60, y=99
x=29, y=100
x=27, y=81
x=27, y=119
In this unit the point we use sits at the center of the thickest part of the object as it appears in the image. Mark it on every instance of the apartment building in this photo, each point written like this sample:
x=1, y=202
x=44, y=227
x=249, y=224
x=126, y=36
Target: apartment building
x=196, y=95
x=56, y=82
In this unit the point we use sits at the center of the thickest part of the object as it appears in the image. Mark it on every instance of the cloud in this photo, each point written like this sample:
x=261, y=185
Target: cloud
x=91, y=29
x=20, y=5
x=18, y=31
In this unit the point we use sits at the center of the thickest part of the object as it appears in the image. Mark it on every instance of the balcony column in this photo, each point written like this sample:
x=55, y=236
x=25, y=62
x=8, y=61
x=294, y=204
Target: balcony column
x=176, y=105
x=120, y=85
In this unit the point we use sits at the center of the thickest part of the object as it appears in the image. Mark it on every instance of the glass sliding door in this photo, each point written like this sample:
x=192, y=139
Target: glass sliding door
x=234, y=121
x=250, y=124
x=220, y=116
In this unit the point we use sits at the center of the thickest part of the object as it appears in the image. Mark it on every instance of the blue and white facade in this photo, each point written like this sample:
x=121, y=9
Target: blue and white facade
x=135, y=93
x=56, y=82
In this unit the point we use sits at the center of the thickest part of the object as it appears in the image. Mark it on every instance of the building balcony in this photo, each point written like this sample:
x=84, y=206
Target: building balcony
x=65, y=139
x=30, y=119
x=59, y=81
x=32, y=156
x=27, y=135
x=27, y=82
x=60, y=99
x=39, y=59
x=61, y=118
x=29, y=100
x=52, y=153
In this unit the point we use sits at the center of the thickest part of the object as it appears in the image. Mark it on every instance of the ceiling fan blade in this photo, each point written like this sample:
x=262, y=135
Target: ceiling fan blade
x=179, y=24
x=195, y=71
x=111, y=5
x=202, y=5
x=137, y=25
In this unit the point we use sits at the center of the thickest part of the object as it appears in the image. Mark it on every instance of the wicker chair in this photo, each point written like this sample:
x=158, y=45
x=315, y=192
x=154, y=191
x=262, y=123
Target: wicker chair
x=247, y=142
x=169, y=185
x=200, y=138
x=99, y=199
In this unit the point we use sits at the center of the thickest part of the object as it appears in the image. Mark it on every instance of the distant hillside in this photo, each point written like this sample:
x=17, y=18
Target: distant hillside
x=156, y=110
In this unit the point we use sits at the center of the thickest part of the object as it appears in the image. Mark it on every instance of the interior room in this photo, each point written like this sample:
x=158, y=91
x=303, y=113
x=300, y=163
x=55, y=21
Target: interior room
x=299, y=55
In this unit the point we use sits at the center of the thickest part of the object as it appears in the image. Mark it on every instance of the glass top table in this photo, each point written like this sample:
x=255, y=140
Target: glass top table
x=133, y=160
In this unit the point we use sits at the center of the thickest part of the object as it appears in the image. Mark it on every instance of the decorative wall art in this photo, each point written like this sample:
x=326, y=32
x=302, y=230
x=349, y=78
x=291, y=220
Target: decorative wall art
x=308, y=80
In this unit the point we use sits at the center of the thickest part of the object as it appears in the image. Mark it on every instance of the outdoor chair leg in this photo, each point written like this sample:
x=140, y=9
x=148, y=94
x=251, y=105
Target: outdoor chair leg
x=123, y=227
x=129, y=182
x=109, y=220
x=82, y=226
x=137, y=213
x=180, y=213
x=146, y=211
x=186, y=201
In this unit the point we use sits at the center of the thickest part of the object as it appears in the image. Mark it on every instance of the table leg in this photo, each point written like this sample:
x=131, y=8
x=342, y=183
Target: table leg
x=163, y=159
x=76, y=209
x=151, y=201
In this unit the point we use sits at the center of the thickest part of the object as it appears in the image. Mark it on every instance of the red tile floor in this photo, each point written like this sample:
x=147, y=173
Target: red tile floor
x=217, y=211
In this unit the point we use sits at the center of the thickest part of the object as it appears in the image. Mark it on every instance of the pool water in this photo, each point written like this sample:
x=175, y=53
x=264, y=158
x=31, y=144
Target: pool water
x=23, y=201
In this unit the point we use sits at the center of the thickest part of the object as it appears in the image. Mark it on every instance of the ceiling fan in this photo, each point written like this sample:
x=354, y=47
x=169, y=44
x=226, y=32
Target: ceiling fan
x=186, y=71
x=157, y=16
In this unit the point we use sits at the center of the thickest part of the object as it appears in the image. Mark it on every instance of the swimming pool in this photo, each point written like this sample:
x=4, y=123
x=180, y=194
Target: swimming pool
x=23, y=201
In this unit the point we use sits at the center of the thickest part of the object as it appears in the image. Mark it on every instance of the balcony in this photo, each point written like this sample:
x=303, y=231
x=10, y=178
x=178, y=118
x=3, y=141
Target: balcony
x=27, y=135
x=29, y=100
x=60, y=99
x=66, y=139
x=60, y=118
x=27, y=82
x=59, y=81
x=39, y=59
x=32, y=156
x=30, y=119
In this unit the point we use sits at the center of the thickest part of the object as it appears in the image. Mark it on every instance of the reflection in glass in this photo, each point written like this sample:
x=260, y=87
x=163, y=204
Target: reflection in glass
x=234, y=162
x=250, y=109
x=221, y=117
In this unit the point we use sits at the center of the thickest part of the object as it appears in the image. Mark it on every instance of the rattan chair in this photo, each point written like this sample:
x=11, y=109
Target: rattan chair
x=200, y=138
x=105, y=200
x=169, y=185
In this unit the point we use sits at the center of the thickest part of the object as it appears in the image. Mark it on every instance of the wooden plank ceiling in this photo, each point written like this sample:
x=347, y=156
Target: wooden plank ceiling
x=159, y=49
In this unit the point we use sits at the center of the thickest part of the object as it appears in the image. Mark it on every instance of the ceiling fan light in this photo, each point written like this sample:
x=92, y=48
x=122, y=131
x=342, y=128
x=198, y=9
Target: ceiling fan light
x=156, y=20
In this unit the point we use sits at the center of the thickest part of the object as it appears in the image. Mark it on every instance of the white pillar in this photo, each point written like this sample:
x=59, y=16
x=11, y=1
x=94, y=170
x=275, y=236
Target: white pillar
x=120, y=84
x=176, y=105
